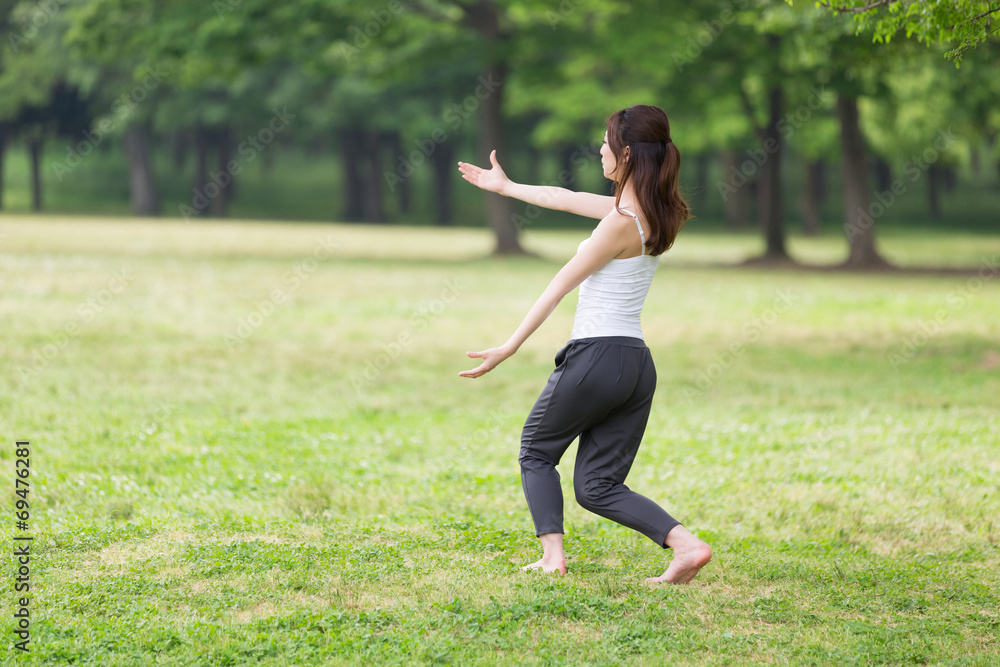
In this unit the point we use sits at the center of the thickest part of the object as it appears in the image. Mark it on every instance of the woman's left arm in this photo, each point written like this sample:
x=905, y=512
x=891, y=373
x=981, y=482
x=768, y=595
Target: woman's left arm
x=609, y=239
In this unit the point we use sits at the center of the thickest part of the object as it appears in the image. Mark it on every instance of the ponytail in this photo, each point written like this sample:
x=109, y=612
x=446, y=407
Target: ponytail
x=653, y=167
x=675, y=209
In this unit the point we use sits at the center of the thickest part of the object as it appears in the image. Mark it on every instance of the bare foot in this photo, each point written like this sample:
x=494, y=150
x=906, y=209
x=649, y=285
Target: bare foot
x=553, y=557
x=690, y=555
x=547, y=566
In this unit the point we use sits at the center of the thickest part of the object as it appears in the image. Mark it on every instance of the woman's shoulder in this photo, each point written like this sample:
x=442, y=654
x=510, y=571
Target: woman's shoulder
x=620, y=219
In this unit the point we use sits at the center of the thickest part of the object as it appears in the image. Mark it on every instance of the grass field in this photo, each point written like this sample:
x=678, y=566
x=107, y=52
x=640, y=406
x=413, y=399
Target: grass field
x=250, y=445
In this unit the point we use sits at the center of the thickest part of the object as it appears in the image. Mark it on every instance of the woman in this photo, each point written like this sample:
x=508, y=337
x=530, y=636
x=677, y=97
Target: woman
x=602, y=387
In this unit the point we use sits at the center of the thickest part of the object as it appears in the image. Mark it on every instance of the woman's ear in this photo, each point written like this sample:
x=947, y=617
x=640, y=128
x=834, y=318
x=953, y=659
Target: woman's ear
x=625, y=154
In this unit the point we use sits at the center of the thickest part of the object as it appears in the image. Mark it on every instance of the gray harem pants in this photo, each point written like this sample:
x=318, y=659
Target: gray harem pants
x=601, y=390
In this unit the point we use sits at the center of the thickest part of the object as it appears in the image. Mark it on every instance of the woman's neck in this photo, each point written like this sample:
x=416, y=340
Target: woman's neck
x=627, y=200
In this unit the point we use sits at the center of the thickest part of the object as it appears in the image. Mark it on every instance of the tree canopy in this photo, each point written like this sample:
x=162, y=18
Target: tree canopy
x=963, y=24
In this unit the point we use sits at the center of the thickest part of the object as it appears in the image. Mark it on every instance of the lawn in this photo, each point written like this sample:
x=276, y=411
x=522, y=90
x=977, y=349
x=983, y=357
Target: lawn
x=250, y=445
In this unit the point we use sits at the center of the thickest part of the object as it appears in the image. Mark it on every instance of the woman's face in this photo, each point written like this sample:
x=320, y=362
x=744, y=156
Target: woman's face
x=607, y=158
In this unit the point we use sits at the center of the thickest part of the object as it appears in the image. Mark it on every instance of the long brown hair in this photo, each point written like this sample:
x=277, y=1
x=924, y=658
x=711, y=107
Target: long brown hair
x=653, y=165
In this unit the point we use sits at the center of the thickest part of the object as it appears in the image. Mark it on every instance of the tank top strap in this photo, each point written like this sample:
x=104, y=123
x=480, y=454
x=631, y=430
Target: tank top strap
x=642, y=236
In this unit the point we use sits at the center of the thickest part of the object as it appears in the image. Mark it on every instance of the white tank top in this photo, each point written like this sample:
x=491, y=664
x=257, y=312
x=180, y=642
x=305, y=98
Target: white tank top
x=611, y=298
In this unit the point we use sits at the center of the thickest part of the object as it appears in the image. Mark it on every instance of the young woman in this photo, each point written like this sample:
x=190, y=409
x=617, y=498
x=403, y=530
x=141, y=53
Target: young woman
x=602, y=387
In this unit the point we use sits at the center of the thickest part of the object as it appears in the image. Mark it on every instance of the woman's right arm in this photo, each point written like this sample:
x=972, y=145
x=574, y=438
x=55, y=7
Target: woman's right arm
x=546, y=196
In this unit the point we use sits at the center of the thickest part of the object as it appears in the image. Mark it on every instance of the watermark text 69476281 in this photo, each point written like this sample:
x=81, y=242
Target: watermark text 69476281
x=22, y=545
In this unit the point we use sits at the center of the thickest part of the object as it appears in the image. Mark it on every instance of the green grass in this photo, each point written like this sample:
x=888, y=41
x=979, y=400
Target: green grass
x=200, y=501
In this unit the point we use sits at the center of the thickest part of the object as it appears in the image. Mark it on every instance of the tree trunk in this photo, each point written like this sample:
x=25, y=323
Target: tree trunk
x=402, y=186
x=200, y=201
x=224, y=180
x=499, y=208
x=373, y=184
x=883, y=174
x=35, y=150
x=443, y=160
x=267, y=160
x=933, y=189
x=178, y=149
x=701, y=164
x=818, y=179
x=859, y=212
x=811, y=197
x=483, y=16
x=3, y=151
x=737, y=200
x=772, y=214
x=565, y=178
x=142, y=187
x=350, y=152
x=949, y=179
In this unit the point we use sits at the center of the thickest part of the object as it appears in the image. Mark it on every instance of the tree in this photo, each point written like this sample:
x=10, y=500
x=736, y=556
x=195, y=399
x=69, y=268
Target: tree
x=916, y=125
x=345, y=45
x=847, y=66
x=770, y=200
x=487, y=27
x=223, y=69
x=122, y=106
x=754, y=56
x=964, y=23
x=37, y=97
x=693, y=64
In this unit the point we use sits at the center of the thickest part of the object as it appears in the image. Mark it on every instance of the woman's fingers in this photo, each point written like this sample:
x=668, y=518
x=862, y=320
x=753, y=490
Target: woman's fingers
x=481, y=369
x=471, y=173
x=475, y=372
x=488, y=179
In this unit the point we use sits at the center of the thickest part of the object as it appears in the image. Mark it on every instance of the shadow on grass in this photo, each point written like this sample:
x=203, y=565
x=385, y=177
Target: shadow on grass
x=991, y=266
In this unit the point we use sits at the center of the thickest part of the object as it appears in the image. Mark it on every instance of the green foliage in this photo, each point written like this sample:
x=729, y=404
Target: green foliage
x=964, y=24
x=32, y=60
x=393, y=73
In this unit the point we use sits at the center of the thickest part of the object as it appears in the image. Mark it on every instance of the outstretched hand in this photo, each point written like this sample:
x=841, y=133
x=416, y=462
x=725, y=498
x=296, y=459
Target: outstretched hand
x=493, y=179
x=491, y=359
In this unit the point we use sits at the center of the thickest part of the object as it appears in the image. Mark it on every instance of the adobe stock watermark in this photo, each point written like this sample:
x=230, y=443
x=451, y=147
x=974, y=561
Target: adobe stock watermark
x=957, y=298
x=561, y=13
x=86, y=312
x=362, y=36
x=418, y=322
x=580, y=156
x=707, y=34
x=750, y=332
x=36, y=19
x=740, y=175
x=453, y=117
x=291, y=281
x=588, y=323
x=912, y=168
x=491, y=432
x=161, y=414
x=121, y=108
x=223, y=7
x=247, y=152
